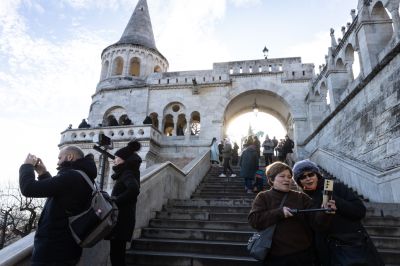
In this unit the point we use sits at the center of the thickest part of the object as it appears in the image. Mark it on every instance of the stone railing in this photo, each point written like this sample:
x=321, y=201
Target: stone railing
x=374, y=184
x=159, y=183
x=117, y=133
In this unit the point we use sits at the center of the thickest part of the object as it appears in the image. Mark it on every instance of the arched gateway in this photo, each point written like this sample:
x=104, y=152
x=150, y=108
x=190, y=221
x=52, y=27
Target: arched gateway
x=175, y=115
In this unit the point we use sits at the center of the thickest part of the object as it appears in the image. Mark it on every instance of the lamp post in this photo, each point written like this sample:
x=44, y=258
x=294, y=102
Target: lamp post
x=265, y=51
x=255, y=107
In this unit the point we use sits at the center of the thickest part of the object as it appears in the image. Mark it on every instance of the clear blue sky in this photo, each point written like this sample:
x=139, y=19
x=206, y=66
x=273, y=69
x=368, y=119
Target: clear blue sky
x=50, y=53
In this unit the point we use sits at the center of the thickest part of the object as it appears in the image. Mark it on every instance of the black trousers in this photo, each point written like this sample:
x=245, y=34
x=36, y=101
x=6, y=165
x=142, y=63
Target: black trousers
x=117, y=252
x=302, y=258
x=227, y=165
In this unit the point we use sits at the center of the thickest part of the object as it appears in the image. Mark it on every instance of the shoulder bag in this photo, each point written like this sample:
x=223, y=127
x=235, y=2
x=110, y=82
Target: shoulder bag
x=260, y=242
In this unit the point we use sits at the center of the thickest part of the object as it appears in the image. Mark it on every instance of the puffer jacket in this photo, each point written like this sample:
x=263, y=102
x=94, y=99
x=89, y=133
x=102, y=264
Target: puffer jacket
x=67, y=194
x=125, y=193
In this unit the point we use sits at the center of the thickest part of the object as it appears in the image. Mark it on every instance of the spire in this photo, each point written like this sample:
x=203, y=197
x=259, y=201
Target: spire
x=139, y=30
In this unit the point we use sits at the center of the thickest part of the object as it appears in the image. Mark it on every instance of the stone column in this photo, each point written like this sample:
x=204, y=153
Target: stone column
x=394, y=11
x=175, y=119
x=349, y=69
x=125, y=70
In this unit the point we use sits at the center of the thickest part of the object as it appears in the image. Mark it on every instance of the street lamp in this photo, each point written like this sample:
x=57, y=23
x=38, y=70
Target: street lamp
x=265, y=51
x=255, y=107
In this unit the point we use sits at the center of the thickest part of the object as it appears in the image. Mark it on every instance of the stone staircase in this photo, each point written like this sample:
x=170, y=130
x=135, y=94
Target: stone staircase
x=211, y=229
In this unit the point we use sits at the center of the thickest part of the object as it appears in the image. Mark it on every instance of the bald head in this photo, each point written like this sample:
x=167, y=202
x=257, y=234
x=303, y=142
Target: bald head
x=70, y=153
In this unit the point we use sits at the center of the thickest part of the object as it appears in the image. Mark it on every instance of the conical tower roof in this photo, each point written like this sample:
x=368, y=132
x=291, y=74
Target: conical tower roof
x=139, y=30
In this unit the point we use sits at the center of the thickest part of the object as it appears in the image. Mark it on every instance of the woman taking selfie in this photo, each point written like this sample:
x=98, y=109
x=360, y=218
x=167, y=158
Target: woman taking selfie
x=345, y=241
x=292, y=240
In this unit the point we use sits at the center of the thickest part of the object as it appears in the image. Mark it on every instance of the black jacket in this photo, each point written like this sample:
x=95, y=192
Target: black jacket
x=67, y=194
x=125, y=193
x=347, y=219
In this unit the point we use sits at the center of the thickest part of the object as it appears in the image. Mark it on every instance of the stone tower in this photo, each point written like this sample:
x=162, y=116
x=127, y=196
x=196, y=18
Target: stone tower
x=135, y=56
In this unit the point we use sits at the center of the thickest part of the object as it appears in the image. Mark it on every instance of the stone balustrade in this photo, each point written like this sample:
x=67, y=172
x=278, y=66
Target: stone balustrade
x=116, y=133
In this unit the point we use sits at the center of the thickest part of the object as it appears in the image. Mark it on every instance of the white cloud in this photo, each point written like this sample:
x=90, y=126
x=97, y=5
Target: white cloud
x=44, y=86
x=100, y=4
x=245, y=2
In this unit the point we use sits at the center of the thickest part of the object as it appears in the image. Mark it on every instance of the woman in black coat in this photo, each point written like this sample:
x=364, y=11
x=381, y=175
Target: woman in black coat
x=125, y=192
x=345, y=228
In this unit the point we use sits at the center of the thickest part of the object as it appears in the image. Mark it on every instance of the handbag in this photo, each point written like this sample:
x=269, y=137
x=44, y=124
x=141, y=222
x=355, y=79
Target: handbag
x=348, y=249
x=260, y=242
x=353, y=249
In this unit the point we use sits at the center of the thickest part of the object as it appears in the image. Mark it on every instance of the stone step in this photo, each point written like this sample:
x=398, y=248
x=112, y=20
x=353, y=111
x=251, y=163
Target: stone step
x=141, y=258
x=222, y=196
x=201, y=215
x=212, y=202
x=197, y=234
x=239, y=195
x=390, y=256
x=386, y=242
x=191, y=246
x=383, y=230
x=210, y=209
x=192, y=224
x=237, y=190
x=384, y=221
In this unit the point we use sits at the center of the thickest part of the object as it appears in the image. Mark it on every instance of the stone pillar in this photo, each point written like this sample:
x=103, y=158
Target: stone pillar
x=394, y=11
x=125, y=70
x=175, y=119
x=349, y=69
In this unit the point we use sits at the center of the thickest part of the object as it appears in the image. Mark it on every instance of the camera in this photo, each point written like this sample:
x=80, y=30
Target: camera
x=103, y=144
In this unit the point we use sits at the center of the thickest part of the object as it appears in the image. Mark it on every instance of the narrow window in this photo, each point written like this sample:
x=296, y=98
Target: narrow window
x=304, y=73
x=251, y=69
x=231, y=71
x=241, y=70
x=259, y=69
x=269, y=68
x=167, y=81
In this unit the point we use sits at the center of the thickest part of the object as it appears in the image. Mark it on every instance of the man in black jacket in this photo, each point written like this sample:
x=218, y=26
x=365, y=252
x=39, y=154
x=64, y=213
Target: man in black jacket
x=67, y=194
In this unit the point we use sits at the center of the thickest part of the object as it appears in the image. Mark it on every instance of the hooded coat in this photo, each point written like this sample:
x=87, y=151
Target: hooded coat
x=67, y=194
x=347, y=219
x=125, y=193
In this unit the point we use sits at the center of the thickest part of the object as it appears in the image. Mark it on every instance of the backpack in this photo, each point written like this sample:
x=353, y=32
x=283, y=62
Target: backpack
x=95, y=223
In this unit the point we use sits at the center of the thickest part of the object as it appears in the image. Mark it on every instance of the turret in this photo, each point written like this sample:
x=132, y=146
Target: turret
x=135, y=56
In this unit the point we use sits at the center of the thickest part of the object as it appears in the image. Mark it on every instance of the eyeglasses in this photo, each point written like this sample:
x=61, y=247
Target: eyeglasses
x=307, y=175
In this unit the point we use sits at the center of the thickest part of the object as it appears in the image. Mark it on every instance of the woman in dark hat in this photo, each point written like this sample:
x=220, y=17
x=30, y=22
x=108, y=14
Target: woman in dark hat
x=345, y=242
x=125, y=192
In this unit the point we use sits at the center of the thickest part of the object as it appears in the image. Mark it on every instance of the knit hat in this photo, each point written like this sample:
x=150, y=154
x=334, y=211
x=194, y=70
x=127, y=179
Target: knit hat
x=125, y=152
x=304, y=166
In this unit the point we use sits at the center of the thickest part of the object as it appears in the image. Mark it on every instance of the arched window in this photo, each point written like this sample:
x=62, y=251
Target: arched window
x=111, y=121
x=134, y=67
x=169, y=125
x=353, y=61
x=157, y=69
x=181, y=125
x=383, y=31
x=118, y=66
x=125, y=121
x=195, y=123
x=339, y=64
x=104, y=70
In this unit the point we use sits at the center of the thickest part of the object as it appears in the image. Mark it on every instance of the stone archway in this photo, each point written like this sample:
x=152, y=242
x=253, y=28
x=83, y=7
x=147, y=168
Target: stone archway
x=266, y=101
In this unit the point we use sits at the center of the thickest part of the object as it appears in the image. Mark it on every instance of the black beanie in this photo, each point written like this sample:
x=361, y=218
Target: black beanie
x=125, y=152
x=304, y=166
